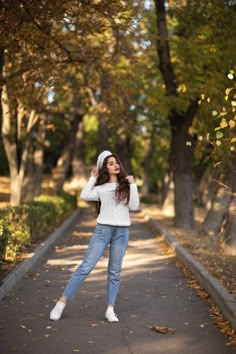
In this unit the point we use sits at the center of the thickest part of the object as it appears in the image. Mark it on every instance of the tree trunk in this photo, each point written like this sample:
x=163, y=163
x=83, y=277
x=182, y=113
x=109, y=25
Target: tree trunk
x=146, y=170
x=63, y=164
x=124, y=150
x=38, y=156
x=207, y=188
x=78, y=156
x=80, y=172
x=167, y=206
x=17, y=158
x=16, y=179
x=182, y=146
x=201, y=177
x=228, y=238
x=217, y=214
x=165, y=185
x=1, y=83
x=34, y=169
x=182, y=149
x=103, y=131
x=65, y=160
x=28, y=185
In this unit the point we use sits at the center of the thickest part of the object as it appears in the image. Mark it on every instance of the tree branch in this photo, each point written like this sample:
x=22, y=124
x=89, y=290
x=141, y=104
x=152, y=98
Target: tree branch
x=47, y=33
x=163, y=49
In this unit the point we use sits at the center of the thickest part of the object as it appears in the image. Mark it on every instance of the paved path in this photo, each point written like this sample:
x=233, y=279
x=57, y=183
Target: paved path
x=153, y=293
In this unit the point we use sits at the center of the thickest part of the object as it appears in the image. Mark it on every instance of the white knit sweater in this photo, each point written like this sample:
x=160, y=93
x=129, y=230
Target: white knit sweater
x=111, y=213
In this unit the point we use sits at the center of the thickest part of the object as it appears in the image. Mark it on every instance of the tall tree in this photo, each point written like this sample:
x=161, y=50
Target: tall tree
x=180, y=122
x=190, y=49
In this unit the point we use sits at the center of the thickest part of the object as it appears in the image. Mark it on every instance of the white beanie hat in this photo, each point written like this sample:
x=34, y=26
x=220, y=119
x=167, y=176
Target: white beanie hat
x=101, y=158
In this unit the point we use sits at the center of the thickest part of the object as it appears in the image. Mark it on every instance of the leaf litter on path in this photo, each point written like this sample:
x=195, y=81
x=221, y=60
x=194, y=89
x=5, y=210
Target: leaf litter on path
x=162, y=330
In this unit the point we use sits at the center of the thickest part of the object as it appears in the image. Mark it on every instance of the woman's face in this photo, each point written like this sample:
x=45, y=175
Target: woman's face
x=113, y=166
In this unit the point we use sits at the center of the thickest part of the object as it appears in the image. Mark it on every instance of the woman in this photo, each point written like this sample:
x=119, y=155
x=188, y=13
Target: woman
x=115, y=194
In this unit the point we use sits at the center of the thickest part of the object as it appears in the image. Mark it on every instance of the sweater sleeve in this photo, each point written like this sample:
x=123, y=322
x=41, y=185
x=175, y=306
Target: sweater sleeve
x=134, y=197
x=89, y=192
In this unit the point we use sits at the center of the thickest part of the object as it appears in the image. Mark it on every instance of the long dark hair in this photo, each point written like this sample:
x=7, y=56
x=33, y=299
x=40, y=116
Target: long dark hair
x=122, y=192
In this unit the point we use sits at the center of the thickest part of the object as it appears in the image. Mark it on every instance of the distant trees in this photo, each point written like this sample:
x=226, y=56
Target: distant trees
x=154, y=82
x=48, y=49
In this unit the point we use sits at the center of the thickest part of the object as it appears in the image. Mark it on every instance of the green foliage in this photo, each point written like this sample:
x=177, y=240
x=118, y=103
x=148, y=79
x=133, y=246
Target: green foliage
x=216, y=135
x=14, y=231
x=226, y=118
x=28, y=223
x=4, y=237
x=68, y=56
x=53, y=54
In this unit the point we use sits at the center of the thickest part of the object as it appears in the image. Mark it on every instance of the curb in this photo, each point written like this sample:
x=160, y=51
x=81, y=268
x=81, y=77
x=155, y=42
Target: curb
x=16, y=274
x=220, y=296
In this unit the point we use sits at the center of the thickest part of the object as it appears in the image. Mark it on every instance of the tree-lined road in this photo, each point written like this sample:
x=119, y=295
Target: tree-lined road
x=153, y=293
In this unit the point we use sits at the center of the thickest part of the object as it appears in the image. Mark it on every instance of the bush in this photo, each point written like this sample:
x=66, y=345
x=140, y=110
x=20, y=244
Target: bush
x=14, y=231
x=4, y=237
x=29, y=223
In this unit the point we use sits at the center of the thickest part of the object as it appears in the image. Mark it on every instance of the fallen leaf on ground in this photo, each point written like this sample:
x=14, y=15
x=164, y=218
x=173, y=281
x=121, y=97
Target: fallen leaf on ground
x=163, y=330
x=31, y=275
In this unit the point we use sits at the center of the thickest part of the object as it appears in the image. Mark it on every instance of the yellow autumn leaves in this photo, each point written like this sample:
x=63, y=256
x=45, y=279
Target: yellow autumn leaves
x=224, y=123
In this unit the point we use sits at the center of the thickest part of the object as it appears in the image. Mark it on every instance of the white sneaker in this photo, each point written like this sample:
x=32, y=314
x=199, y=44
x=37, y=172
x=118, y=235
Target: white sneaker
x=56, y=312
x=111, y=316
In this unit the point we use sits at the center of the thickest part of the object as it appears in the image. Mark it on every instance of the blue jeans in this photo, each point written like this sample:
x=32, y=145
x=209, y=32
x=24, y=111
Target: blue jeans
x=117, y=237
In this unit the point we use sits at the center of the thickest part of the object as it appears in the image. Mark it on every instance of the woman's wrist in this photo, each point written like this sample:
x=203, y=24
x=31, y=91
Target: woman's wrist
x=130, y=179
x=94, y=173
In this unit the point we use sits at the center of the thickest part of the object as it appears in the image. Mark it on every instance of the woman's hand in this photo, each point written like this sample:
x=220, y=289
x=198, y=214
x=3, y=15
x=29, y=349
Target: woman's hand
x=130, y=179
x=94, y=173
